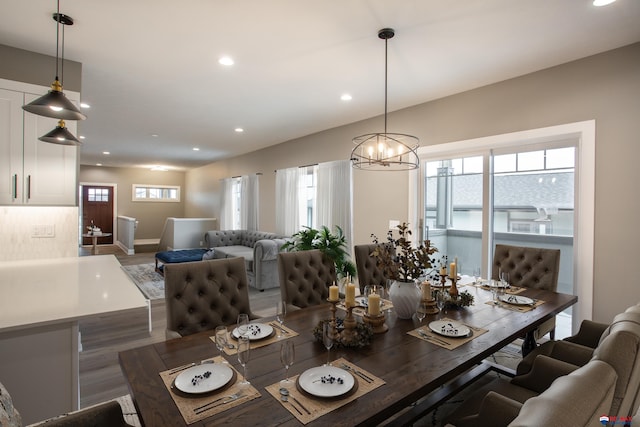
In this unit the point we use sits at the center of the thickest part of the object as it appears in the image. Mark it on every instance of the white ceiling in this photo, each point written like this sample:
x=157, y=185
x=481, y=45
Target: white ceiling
x=150, y=66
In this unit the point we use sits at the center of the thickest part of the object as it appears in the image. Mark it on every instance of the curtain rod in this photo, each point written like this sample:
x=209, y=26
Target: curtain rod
x=240, y=176
x=300, y=167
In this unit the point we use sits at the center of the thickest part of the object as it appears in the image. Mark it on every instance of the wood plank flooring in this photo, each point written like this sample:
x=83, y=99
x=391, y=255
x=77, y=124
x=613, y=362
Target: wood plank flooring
x=104, y=336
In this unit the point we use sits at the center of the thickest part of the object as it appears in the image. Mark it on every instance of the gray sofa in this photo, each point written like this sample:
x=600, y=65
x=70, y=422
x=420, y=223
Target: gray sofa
x=258, y=248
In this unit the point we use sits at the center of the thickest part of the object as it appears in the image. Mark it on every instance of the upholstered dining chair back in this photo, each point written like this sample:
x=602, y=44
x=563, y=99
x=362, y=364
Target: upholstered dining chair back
x=535, y=268
x=305, y=277
x=368, y=271
x=201, y=295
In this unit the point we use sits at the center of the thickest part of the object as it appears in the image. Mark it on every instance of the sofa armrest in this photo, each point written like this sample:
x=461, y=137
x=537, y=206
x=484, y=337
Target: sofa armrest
x=589, y=334
x=495, y=410
x=544, y=371
x=267, y=249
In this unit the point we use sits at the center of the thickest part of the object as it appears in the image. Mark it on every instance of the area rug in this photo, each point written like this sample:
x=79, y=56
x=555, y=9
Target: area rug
x=150, y=283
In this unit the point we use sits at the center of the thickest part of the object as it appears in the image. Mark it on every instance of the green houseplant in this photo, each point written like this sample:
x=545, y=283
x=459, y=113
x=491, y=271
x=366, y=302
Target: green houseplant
x=332, y=245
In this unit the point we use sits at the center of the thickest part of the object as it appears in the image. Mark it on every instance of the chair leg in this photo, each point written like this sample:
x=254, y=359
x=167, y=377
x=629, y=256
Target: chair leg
x=552, y=334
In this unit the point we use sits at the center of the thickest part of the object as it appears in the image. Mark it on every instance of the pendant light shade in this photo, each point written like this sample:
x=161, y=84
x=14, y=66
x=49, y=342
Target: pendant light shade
x=60, y=135
x=55, y=104
x=385, y=151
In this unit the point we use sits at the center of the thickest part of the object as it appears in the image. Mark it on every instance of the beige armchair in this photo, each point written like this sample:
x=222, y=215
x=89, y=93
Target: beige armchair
x=305, y=277
x=368, y=271
x=201, y=295
x=535, y=268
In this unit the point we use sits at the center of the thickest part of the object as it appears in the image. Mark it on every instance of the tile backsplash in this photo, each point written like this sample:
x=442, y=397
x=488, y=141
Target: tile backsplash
x=37, y=232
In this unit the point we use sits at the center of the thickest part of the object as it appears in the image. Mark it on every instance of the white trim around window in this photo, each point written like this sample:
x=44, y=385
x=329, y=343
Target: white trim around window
x=155, y=193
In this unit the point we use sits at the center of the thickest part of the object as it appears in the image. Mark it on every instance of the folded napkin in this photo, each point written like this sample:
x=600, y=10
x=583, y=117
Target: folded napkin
x=307, y=408
x=515, y=307
x=450, y=343
x=290, y=333
x=188, y=406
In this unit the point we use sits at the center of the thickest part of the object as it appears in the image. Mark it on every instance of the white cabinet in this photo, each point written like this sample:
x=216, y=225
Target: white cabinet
x=33, y=172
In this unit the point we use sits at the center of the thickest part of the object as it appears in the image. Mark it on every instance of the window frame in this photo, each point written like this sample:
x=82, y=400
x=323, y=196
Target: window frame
x=147, y=187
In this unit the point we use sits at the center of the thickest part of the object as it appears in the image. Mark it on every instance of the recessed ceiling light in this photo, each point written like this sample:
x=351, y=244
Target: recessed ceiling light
x=85, y=105
x=239, y=130
x=226, y=60
x=346, y=97
x=159, y=168
x=81, y=137
x=196, y=149
x=602, y=2
x=155, y=135
x=106, y=152
x=98, y=164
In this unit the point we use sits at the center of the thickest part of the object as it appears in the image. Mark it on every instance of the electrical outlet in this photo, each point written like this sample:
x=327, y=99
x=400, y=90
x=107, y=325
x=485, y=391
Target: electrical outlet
x=200, y=243
x=393, y=224
x=43, y=230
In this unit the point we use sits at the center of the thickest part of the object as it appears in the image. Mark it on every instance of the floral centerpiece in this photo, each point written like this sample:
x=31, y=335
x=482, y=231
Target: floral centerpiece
x=403, y=263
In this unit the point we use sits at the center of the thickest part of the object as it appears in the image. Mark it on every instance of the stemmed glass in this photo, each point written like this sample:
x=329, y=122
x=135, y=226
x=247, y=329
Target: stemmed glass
x=287, y=356
x=243, y=324
x=504, y=278
x=327, y=339
x=281, y=312
x=243, y=357
x=421, y=311
x=221, y=340
x=440, y=299
x=477, y=272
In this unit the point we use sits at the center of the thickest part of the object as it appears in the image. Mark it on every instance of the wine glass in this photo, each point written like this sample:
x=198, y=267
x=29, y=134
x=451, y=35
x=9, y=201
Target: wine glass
x=440, y=299
x=243, y=357
x=243, y=324
x=477, y=273
x=281, y=312
x=287, y=356
x=327, y=339
x=504, y=278
x=421, y=311
x=221, y=340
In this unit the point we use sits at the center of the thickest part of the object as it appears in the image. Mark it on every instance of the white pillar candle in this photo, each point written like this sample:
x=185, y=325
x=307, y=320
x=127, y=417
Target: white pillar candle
x=373, y=305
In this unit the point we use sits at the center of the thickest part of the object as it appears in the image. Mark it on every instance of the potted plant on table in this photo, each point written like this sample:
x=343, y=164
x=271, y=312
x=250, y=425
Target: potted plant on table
x=403, y=263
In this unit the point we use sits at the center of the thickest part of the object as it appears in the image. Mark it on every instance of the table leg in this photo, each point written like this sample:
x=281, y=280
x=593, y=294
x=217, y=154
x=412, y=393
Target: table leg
x=529, y=343
x=94, y=239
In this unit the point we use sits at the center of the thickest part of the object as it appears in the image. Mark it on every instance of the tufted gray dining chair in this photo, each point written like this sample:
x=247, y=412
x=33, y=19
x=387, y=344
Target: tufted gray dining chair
x=534, y=268
x=368, y=271
x=305, y=277
x=201, y=295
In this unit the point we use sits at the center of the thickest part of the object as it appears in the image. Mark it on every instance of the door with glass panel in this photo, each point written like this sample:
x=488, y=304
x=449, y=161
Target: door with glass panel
x=521, y=196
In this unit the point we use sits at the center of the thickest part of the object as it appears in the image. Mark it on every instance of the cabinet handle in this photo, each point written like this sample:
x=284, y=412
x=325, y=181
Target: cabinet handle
x=28, y=187
x=14, y=186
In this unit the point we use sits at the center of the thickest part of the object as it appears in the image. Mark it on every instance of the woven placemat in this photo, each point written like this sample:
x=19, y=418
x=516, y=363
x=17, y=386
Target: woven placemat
x=194, y=408
x=286, y=333
x=514, y=307
x=307, y=408
x=510, y=290
x=426, y=334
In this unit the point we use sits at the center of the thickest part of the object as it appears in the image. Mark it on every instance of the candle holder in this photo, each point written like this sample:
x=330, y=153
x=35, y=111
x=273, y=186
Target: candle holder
x=349, y=333
x=453, y=290
x=332, y=321
x=377, y=322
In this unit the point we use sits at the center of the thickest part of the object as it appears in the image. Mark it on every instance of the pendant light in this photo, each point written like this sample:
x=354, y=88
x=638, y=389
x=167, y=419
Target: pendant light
x=55, y=104
x=60, y=135
x=385, y=151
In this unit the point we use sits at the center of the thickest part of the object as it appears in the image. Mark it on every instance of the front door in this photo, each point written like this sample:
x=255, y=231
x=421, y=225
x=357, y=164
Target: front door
x=97, y=210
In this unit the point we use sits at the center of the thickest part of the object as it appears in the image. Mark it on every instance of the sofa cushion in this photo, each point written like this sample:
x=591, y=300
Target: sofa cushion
x=236, y=251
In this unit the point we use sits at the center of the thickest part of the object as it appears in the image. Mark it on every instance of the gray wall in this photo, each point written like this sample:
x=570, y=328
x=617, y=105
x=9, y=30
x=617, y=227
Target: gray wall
x=151, y=215
x=604, y=87
x=30, y=67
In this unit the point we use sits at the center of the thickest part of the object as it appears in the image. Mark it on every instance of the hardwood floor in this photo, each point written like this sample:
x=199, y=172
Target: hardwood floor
x=104, y=336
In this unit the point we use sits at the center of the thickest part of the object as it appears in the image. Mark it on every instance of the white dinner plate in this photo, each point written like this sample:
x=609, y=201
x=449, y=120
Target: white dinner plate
x=450, y=328
x=516, y=300
x=257, y=331
x=311, y=381
x=203, y=378
x=496, y=284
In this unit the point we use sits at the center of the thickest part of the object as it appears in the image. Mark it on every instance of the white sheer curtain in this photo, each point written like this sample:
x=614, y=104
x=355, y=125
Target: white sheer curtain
x=288, y=182
x=226, y=204
x=334, y=197
x=249, y=202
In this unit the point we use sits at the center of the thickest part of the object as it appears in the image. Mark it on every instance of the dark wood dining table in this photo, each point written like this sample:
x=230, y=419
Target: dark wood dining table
x=411, y=367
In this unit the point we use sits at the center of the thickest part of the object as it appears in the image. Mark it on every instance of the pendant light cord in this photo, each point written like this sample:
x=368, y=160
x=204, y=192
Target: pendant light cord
x=57, y=38
x=385, y=84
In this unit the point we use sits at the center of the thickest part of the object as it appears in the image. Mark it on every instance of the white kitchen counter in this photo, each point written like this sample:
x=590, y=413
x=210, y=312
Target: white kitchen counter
x=41, y=302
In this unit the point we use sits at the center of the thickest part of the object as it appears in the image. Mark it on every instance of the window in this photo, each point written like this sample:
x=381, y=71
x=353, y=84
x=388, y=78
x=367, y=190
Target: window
x=528, y=192
x=308, y=196
x=98, y=194
x=155, y=193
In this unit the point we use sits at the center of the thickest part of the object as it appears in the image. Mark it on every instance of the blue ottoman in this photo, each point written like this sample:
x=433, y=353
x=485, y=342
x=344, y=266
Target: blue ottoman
x=183, y=255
